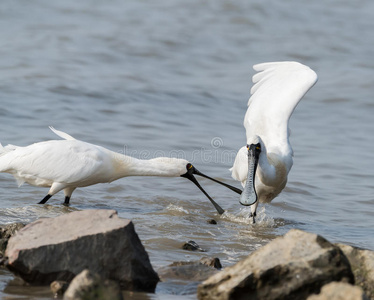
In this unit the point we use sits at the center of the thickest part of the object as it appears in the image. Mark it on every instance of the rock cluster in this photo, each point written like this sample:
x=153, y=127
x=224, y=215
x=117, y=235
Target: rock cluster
x=94, y=254
x=98, y=240
x=294, y=266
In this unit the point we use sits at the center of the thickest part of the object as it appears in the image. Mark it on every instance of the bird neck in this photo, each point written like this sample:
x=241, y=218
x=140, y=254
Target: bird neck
x=160, y=166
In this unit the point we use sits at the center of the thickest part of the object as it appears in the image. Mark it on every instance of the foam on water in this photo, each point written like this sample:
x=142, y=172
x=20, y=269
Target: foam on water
x=176, y=208
x=28, y=214
x=243, y=217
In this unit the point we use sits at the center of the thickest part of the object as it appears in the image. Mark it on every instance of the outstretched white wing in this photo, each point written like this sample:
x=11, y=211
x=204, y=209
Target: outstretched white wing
x=277, y=89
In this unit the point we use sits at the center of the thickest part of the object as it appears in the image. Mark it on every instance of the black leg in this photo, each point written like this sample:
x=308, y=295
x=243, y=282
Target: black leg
x=45, y=199
x=253, y=217
x=67, y=199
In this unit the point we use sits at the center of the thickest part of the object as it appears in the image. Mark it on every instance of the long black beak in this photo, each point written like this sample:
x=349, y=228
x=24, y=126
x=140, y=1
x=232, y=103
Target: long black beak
x=249, y=195
x=191, y=170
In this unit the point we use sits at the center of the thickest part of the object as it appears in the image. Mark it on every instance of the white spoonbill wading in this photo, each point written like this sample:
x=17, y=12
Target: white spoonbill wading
x=263, y=164
x=68, y=164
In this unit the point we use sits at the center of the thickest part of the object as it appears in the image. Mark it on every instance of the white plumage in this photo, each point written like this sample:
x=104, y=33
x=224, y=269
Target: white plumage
x=68, y=164
x=277, y=89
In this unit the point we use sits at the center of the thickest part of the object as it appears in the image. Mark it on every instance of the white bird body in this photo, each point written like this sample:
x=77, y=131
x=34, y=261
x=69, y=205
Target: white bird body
x=80, y=164
x=277, y=89
x=68, y=164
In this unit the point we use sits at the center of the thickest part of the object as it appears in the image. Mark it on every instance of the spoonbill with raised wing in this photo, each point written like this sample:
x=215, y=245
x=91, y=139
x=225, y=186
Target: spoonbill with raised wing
x=262, y=166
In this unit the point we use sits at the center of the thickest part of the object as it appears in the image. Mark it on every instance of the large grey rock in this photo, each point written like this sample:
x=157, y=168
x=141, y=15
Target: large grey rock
x=339, y=291
x=289, y=267
x=90, y=286
x=362, y=264
x=62, y=247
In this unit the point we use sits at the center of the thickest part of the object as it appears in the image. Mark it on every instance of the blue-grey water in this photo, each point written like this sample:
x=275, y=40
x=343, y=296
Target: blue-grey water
x=172, y=78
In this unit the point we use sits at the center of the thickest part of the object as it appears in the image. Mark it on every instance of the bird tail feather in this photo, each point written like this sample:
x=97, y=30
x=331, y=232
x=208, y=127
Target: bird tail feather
x=62, y=134
x=6, y=149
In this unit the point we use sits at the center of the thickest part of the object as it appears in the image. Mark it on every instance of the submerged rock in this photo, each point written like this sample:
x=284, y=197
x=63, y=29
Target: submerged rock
x=289, y=267
x=208, y=261
x=362, y=264
x=192, y=246
x=62, y=247
x=88, y=285
x=211, y=262
x=191, y=270
x=339, y=291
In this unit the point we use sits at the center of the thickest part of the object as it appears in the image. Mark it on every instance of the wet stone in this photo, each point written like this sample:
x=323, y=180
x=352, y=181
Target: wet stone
x=192, y=246
x=212, y=221
x=58, y=287
x=211, y=262
x=191, y=270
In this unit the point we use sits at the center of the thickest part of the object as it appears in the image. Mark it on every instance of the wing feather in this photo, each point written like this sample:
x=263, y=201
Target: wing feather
x=278, y=88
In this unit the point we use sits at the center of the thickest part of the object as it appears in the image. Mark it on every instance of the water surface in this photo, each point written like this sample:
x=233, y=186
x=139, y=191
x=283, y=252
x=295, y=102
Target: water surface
x=171, y=78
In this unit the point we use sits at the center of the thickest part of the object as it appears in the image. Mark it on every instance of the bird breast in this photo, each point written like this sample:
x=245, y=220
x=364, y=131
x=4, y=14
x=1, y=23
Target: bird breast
x=271, y=177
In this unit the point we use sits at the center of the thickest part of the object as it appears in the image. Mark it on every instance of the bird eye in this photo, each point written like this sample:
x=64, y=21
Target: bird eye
x=189, y=166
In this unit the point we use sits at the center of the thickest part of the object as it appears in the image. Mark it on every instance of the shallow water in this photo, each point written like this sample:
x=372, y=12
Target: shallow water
x=172, y=79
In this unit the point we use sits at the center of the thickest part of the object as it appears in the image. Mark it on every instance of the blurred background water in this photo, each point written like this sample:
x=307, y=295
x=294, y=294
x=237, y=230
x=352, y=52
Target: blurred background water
x=172, y=78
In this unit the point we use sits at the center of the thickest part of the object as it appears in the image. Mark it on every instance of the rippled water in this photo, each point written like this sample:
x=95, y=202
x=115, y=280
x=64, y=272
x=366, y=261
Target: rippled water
x=172, y=78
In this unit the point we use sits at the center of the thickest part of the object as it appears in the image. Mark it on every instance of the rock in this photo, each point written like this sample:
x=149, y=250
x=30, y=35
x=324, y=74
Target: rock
x=362, y=264
x=6, y=232
x=211, y=262
x=186, y=272
x=58, y=288
x=192, y=246
x=289, y=267
x=212, y=221
x=208, y=261
x=62, y=247
x=191, y=270
x=88, y=285
x=339, y=291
